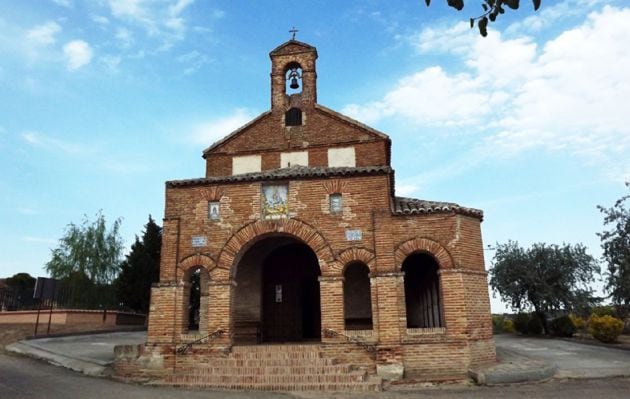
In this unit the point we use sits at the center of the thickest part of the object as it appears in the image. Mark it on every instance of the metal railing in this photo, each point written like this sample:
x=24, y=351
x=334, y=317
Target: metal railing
x=330, y=333
x=214, y=335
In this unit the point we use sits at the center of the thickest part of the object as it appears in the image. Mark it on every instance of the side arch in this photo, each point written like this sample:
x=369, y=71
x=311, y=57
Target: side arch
x=351, y=255
x=425, y=245
x=195, y=260
x=249, y=233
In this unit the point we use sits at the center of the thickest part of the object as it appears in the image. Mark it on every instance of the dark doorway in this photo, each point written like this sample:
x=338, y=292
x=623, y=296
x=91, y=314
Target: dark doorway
x=290, y=295
x=422, y=291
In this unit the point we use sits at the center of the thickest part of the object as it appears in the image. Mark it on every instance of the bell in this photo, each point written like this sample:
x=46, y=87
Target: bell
x=294, y=83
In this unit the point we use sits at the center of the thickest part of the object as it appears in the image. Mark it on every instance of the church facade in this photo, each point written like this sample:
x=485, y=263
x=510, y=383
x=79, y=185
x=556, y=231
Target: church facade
x=293, y=253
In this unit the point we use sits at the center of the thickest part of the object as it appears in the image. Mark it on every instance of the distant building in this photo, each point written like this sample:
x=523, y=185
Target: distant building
x=293, y=252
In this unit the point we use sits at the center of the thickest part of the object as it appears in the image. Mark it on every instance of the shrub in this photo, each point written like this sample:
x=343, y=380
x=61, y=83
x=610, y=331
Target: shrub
x=497, y=323
x=604, y=311
x=520, y=322
x=578, y=322
x=508, y=326
x=605, y=328
x=534, y=326
x=563, y=327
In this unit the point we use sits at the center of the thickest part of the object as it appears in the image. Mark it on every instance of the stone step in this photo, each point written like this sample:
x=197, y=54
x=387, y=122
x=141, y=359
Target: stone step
x=278, y=379
x=267, y=369
x=231, y=362
x=276, y=348
x=370, y=386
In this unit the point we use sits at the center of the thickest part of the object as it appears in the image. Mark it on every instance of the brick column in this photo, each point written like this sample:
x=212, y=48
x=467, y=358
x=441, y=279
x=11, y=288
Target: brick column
x=331, y=303
x=164, y=308
x=220, y=309
x=454, y=303
x=204, y=311
x=391, y=311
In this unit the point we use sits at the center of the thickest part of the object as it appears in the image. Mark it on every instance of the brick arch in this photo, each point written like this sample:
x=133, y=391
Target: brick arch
x=426, y=245
x=350, y=255
x=249, y=233
x=197, y=260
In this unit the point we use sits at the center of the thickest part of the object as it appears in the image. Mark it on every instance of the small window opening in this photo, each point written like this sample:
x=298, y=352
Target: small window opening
x=194, y=301
x=336, y=203
x=293, y=117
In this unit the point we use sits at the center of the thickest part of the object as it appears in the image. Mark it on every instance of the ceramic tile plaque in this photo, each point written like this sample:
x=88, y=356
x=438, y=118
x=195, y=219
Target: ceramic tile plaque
x=275, y=204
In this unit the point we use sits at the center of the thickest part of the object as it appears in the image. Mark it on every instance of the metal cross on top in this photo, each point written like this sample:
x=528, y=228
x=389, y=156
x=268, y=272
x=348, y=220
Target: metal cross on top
x=293, y=31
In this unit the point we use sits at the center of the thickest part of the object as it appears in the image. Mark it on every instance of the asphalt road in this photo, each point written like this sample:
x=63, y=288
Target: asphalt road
x=24, y=378
x=573, y=360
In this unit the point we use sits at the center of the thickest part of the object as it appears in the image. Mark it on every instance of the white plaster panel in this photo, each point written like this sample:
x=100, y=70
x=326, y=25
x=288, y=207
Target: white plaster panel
x=293, y=158
x=246, y=164
x=341, y=157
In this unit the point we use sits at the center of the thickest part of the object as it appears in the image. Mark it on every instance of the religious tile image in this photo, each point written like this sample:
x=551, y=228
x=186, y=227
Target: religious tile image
x=275, y=202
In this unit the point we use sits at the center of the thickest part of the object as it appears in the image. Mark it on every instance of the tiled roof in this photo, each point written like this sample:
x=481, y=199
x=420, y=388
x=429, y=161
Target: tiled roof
x=293, y=172
x=412, y=206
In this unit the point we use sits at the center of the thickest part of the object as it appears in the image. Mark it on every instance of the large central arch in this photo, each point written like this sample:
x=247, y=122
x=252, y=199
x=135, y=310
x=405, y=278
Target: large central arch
x=277, y=297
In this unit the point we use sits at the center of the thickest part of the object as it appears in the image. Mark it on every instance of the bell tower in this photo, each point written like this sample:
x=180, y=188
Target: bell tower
x=293, y=76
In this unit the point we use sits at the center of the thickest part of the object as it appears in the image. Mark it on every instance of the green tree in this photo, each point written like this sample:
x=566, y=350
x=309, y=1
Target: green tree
x=89, y=248
x=616, y=246
x=544, y=277
x=22, y=282
x=491, y=11
x=140, y=269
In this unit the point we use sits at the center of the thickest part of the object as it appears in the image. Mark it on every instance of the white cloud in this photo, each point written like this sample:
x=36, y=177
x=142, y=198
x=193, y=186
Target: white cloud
x=39, y=240
x=161, y=19
x=44, y=34
x=39, y=140
x=193, y=61
x=552, y=14
x=111, y=62
x=78, y=53
x=209, y=132
x=99, y=19
x=566, y=94
x=63, y=3
x=27, y=211
x=124, y=36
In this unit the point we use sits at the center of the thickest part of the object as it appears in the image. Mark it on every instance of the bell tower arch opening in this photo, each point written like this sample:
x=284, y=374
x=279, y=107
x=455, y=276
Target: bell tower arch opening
x=277, y=296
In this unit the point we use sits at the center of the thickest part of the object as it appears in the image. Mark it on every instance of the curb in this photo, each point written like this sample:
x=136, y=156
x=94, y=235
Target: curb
x=496, y=377
x=80, y=365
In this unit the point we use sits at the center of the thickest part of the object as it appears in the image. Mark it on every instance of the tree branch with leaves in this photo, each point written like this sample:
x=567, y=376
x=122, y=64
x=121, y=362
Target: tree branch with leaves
x=491, y=11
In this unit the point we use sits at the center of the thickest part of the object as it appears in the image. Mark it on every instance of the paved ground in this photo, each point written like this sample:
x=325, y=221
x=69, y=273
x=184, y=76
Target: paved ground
x=522, y=356
x=24, y=378
x=573, y=360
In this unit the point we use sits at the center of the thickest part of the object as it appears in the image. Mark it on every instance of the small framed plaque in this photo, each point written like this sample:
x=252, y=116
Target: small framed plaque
x=199, y=241
x=354, y=235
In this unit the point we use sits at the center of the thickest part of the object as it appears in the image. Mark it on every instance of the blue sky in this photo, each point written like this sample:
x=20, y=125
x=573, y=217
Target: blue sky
x=102, y=101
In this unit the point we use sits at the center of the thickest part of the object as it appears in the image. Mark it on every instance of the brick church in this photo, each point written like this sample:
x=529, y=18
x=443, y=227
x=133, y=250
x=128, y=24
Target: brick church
x=293, y=265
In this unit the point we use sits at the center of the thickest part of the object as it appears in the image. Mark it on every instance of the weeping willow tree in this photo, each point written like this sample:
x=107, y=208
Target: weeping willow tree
x=86, y=261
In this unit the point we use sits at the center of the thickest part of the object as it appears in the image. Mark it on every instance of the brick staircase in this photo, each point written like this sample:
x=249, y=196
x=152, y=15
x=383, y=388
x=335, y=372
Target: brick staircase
x=276, y=368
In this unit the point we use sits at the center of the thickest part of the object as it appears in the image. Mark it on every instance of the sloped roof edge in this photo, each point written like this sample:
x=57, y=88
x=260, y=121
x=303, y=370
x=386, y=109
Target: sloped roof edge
x=235, y=133
x=351, y=121
x=289, y=42
x=413, y=206
x=283, y=174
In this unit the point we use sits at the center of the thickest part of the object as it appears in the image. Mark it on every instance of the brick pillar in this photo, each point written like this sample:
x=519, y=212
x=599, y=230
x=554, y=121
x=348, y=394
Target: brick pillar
x=391, y=318
x=164, y=307
x=454, y=303
x=220, y=309
x=204, y=311
x=331, y=302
